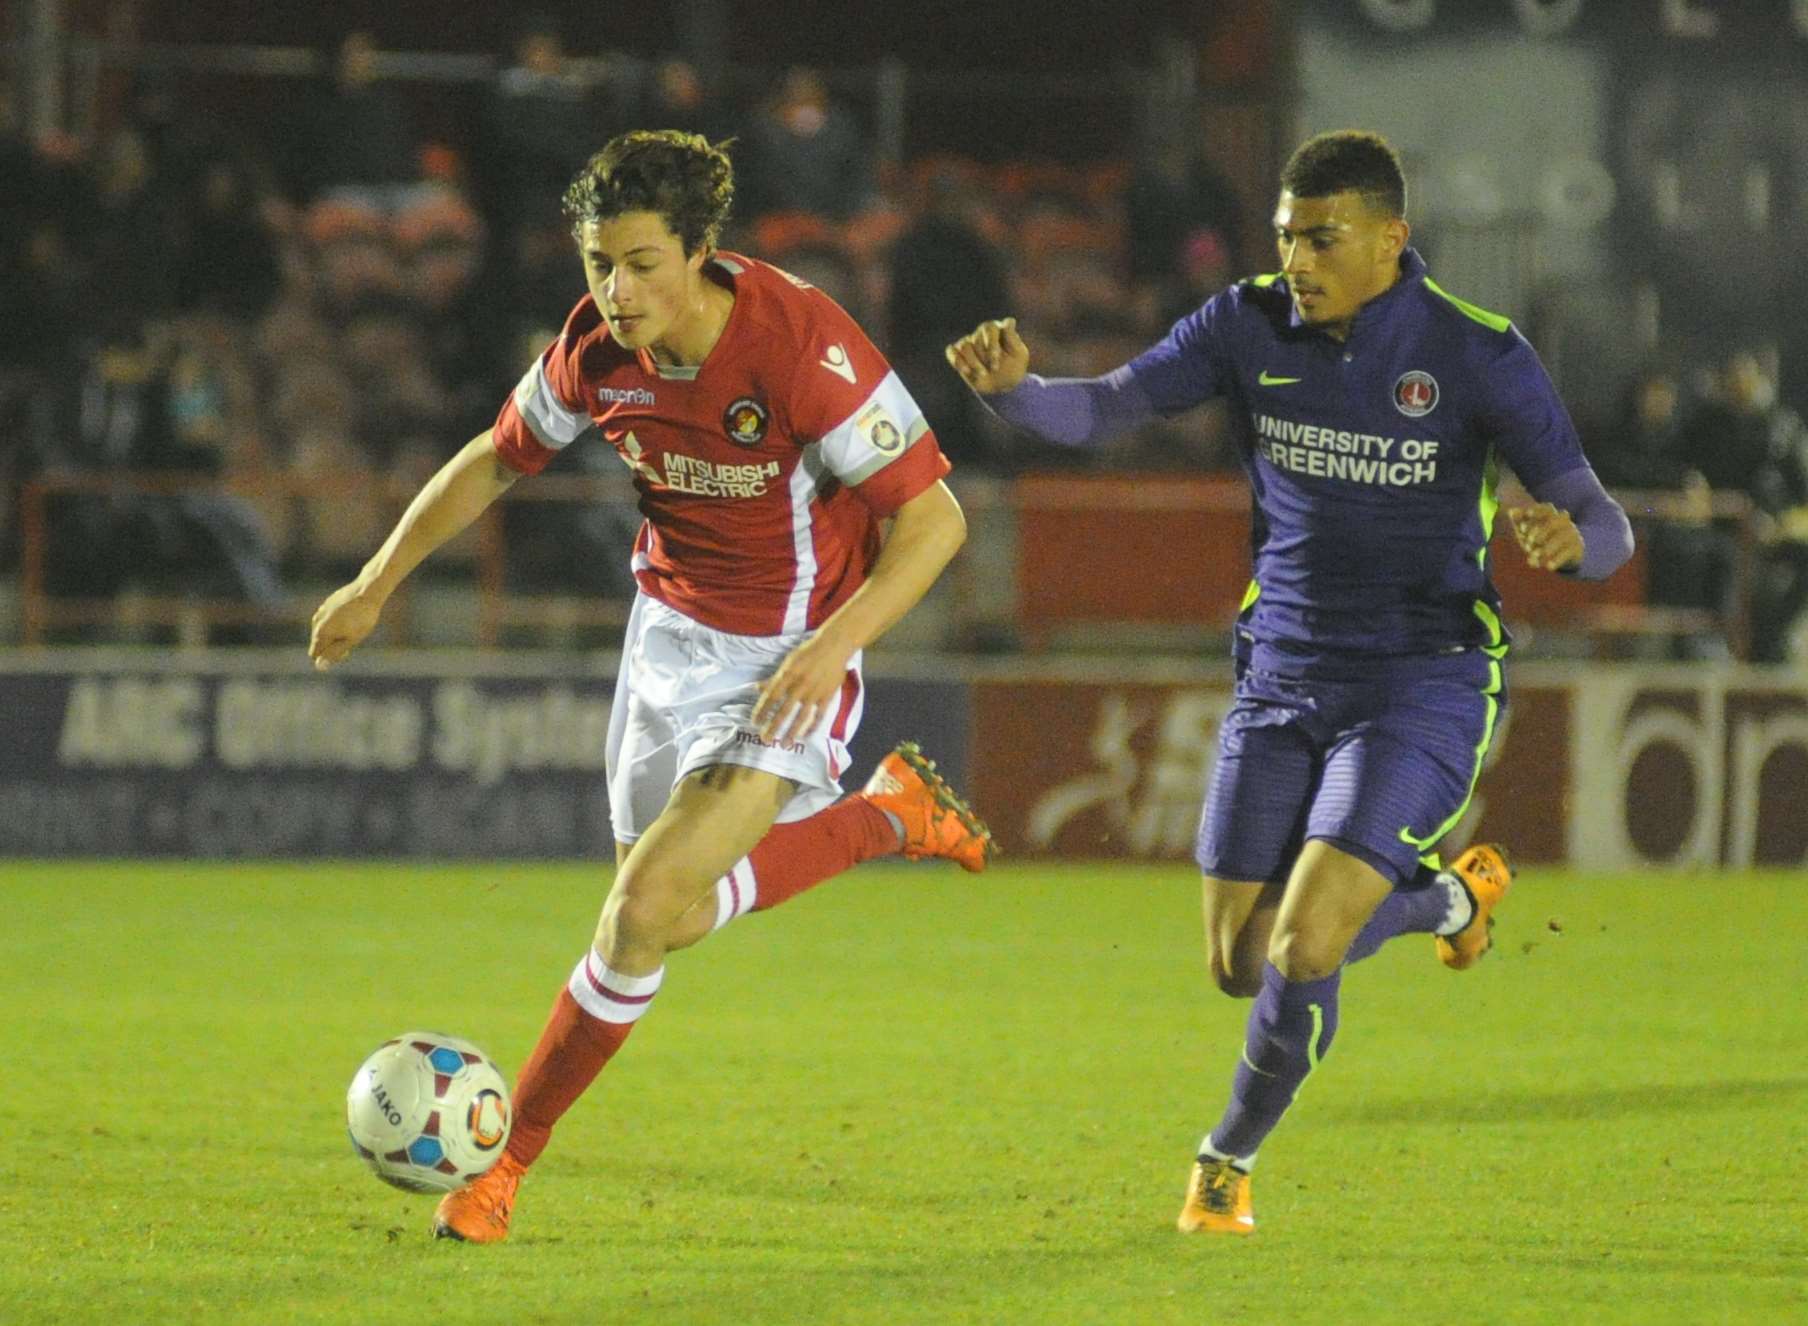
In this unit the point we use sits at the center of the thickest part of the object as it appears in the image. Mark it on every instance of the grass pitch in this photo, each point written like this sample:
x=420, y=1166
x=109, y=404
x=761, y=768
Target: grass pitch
x=907, y=1097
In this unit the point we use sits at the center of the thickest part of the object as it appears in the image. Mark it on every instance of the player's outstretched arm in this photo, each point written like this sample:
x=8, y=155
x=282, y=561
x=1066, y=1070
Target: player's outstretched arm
x=994, y=361
x=449, y=501
x=925, y=534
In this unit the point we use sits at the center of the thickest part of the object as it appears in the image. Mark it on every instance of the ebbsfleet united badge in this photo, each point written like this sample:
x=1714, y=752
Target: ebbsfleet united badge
x=745, y=421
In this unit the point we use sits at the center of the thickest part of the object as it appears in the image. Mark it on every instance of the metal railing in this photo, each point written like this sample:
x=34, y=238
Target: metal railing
x=1039, y=508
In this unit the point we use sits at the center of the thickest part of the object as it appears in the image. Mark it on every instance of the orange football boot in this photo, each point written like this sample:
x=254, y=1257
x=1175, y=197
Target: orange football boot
x=479, y=1213
x=1485, y=872
x=1217, y=1200
x=936, y=821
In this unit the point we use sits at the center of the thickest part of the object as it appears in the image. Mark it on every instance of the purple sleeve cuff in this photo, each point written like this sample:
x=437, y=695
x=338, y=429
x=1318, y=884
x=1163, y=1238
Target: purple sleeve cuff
x=1606, y=533
x=1074, y=412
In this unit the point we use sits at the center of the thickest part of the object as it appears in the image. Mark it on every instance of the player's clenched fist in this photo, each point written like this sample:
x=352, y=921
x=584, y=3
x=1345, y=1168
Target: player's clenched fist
x=1550, y=538
x=992, y=358
x=340, y=625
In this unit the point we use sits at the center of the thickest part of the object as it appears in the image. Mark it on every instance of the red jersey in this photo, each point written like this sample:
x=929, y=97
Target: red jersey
x=763, y=472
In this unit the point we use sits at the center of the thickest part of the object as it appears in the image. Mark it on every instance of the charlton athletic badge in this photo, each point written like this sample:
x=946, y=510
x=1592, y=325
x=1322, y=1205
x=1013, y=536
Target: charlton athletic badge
x=1416, y=393
x=745, y=421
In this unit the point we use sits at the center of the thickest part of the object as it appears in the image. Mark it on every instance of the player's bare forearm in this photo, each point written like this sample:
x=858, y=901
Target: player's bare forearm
x=925, y=534
x=460, y=492
x=449, y=501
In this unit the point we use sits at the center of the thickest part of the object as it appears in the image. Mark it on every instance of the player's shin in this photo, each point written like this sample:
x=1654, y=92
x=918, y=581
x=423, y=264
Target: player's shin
x=794, y=857
x=1290, y=1028
x=589, y=1022
x=1433, y=903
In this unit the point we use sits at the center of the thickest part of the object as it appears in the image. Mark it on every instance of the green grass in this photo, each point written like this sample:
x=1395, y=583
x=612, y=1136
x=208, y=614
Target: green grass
x=908, y=1097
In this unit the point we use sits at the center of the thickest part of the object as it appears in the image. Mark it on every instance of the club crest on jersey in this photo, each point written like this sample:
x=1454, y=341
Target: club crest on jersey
x=1416, y=393
x=745, y=421
x=877, y=425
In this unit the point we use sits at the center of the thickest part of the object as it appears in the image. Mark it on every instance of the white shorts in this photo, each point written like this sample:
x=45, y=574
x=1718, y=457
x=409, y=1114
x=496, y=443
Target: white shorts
x=684, y=700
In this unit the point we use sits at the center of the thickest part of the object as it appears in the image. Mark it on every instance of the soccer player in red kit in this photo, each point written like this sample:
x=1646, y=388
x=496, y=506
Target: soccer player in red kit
x=794, y=509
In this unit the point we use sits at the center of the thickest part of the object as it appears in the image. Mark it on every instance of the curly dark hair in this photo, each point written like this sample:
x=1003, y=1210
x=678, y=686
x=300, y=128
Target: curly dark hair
x=684, y=177
x=1348, y=159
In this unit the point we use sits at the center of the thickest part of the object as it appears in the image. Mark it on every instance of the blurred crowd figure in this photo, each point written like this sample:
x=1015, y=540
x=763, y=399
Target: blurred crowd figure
x=342, y=295
x=1724, y=432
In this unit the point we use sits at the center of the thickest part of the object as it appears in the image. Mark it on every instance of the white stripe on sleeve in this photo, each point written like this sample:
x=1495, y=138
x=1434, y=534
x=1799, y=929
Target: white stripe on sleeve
x=555, y=424
x=880, y=430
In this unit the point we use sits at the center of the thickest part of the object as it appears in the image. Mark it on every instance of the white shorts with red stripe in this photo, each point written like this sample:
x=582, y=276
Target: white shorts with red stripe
x=684, y=701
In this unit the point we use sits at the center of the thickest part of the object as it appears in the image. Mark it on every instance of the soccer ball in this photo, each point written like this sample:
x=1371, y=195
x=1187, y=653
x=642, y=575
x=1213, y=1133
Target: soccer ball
x=428, y=1112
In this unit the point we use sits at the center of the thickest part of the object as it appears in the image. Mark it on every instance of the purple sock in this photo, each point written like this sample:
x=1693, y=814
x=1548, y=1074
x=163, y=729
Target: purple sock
x=1402, y=912
x=1290, y=1028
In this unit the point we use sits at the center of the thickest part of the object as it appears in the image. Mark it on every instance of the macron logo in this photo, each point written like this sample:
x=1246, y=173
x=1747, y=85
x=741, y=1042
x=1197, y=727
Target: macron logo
x=836, y=361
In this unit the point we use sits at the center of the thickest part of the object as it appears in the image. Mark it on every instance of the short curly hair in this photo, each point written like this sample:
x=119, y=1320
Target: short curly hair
x=684, y=177
x=1348, y=159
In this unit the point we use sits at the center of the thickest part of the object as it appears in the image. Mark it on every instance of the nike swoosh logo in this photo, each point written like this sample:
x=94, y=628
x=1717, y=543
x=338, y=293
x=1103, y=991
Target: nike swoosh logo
x=1268, y=379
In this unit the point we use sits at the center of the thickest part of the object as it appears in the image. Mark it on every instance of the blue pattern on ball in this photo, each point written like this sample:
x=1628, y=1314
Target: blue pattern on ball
x=445, y=1060
x=426, y=1151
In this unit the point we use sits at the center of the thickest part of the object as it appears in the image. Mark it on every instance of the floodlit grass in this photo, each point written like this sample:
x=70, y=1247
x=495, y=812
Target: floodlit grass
x=908, y=1097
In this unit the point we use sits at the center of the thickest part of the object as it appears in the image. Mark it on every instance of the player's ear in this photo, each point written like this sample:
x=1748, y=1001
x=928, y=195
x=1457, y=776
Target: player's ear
x=1395, y=235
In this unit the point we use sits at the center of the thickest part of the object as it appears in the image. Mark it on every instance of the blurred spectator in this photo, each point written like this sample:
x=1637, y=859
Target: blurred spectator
x=679, y=100
x=153, y=404
x=946, y=278
x=1691, y=561
x=132, y=230
x=441, y=242
x=1184, y=220
x=1746, y=441
x=228, y=262
x=543, y=120
x=803, y=152
x=356, y=134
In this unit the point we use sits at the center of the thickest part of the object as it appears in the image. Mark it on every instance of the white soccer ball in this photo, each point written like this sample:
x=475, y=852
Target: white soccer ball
x=428, y=1112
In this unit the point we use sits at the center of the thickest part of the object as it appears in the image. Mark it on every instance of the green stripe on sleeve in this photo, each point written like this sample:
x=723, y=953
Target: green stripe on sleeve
x=1492, y=321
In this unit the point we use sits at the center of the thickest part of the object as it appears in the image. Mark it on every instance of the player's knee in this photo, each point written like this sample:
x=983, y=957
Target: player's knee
x=1301, y=954
x=636, y=917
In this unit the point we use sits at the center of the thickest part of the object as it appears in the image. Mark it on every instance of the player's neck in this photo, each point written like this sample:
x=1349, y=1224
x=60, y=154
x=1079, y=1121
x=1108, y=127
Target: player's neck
x=693, y=336
x=1340, y=331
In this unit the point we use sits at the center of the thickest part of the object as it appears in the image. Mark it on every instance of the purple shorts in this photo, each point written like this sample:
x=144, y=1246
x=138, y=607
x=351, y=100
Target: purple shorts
x=1380, y=768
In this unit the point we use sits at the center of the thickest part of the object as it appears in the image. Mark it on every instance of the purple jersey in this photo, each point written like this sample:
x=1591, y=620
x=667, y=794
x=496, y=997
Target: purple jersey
x=1372, y=462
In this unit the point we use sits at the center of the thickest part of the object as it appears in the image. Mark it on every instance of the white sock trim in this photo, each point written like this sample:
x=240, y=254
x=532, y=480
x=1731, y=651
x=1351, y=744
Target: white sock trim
x=1244, y=1163
x=1459, y=910
x=609, y=996
x=736, y=892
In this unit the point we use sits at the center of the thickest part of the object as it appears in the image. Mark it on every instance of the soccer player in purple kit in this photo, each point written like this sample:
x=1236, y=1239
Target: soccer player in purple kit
x=1372, y=409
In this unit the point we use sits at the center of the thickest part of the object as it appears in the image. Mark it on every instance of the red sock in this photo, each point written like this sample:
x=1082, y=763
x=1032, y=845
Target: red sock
x=573, y=1047
x=793, y=857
